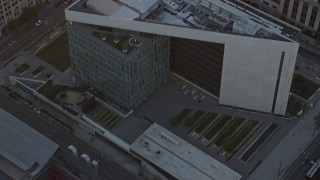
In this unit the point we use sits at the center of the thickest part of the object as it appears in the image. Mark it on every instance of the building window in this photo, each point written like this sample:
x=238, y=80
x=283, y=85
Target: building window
x=276, y=1
x=313, y=16
x=304, y=12
x=285, y=7
x=295, y=9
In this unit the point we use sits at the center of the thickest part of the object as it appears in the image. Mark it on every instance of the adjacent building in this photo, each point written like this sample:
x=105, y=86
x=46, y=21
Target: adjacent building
x=162, y=149
x=24, y=152
x=304, y=14
x=126, y=49
x=12, y=9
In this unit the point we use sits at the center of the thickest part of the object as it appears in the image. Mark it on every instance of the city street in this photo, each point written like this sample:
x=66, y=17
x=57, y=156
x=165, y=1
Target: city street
x=107, y=169
x=298, y=171
x=30, y=33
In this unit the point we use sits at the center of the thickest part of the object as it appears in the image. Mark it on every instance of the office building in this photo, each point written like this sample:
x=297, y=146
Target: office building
x=304, y=14
x=124, y=66
x=245, y=59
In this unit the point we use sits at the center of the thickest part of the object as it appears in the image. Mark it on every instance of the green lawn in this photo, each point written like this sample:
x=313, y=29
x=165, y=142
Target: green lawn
x=205, y=122
x=190, y=121
x=249, y=127
x=23, y=67
x=217, y=127
x=38, y=70
x=227, y=132
x=177, y=119
x=294, y=105
x=57, y=53
x=303, y=87
x=104, y=117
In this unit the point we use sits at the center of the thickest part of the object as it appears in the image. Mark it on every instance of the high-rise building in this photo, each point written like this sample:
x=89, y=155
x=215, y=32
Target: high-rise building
x=125, y=66
x=243, y=58
x=12, y=9
x=304, y=14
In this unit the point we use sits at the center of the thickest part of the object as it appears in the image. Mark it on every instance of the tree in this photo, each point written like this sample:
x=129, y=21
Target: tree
x=317, y=120
x=13, y=25
x=63, y=95
x=227, y=144
x=29, y=14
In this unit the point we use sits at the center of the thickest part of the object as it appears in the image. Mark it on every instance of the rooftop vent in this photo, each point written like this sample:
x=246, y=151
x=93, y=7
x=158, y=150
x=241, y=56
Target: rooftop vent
x=133, y=41
x=103, y=38
x=167, y=137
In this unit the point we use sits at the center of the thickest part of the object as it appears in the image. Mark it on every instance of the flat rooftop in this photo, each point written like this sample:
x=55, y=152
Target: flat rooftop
x=127, y=45
x=23, y=146
x=231, y=17
x=179, y=158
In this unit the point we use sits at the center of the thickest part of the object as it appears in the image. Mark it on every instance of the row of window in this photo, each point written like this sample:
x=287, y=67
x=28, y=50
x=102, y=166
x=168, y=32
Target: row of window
x=304, y=11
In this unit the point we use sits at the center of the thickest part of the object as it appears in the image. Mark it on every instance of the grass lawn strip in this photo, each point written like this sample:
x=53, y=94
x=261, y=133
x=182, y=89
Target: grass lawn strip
x=109, y=116
x=114, y=123
x=177, y=119
x=226, y=133
x=23, y=67
x=38, y=70
x=103, y=115
x=100, y=117
x=98, y=111
x=251, y=124
x=205, y=122
x=105, y=119
x=303, y=87
x=295, y=104
x=98, y=114
x=95, y=111
x=190, y=121
x=258, y=142
x=224, y=120
x=57, y=53
x=111, y=121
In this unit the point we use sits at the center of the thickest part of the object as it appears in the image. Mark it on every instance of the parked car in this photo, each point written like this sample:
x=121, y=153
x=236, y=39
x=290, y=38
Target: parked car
x=39, y=22
x=11, y=43
x=313, y=161
x=304, y=160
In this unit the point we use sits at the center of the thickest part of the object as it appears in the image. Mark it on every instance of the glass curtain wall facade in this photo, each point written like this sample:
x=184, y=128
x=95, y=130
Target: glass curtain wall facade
x=126, y=75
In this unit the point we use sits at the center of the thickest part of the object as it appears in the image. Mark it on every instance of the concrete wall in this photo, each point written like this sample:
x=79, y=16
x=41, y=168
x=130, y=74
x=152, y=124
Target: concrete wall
x=250, y=73
x=250, y=65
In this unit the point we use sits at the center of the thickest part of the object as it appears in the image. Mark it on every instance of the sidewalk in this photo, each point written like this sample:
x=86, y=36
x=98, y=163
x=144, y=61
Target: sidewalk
x=291, y=146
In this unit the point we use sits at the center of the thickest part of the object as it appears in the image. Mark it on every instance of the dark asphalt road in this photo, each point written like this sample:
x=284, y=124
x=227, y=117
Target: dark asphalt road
x=298, y=171
x=107, y=169
x=309, y=54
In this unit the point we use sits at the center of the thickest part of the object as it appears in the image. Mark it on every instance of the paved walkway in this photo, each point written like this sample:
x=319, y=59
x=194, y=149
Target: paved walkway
x=291, y=146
